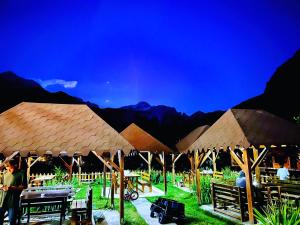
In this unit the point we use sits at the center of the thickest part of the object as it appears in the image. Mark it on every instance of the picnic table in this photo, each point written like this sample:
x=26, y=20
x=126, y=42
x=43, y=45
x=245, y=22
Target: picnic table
x=39, y=181
x=44, y=202
x=132, y=179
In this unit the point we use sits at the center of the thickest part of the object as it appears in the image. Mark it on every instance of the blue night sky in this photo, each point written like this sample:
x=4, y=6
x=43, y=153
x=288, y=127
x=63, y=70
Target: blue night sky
x=193, y=55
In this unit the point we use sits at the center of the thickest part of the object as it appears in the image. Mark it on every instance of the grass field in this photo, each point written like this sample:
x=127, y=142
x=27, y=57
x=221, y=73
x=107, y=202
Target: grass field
x=193, y=213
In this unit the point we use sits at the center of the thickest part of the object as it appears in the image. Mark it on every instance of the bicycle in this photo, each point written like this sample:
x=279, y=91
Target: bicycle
x=130, y=194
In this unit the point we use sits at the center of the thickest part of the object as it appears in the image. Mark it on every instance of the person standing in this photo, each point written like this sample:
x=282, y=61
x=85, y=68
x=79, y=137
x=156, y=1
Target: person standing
x=14, y=182
x=241, y=180
x=283, y=173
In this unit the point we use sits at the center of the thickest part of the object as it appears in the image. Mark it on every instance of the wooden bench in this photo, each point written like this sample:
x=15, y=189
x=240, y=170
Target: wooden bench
x=284, y=191
x=145, y=181
x=229, y=200
x=82, y=209
x=218, y=174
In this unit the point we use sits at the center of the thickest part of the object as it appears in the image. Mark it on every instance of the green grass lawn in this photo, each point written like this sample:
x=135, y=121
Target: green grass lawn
x=131, y=215
x=193, y=213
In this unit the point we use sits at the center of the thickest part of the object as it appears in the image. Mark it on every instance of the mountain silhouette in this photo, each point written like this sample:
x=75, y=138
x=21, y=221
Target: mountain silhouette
x=281, y=95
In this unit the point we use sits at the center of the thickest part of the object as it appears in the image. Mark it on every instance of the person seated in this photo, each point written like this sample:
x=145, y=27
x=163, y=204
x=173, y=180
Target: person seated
x=241, y=180
x=283, y=173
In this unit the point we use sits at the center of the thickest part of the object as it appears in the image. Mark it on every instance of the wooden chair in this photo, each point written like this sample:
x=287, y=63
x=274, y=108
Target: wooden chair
x=82, y=210
x=145, y=181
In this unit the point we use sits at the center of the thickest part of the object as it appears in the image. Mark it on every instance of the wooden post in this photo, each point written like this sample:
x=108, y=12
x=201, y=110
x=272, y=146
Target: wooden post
x=28, y=168
x=197, y=173
x=173, y=169
x=214, y=160
x=249, y=188
x=121, y=158
x=149, y=162
x=104, y=181
x=112, y=186
x=164, y=172
x=192, y=162
x=257, y=170
x=79, y=169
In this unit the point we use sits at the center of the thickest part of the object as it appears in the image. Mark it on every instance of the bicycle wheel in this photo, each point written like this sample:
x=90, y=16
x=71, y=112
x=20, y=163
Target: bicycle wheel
x=134, y=195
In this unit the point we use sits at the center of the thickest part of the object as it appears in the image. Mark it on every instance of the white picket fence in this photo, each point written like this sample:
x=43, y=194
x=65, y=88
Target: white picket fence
x=83, y=177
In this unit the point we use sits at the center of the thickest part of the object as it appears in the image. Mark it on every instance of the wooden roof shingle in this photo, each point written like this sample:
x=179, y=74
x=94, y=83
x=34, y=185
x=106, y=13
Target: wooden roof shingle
x=184, y=144
x=143, y=141
x=247, y=127
x=40, y=127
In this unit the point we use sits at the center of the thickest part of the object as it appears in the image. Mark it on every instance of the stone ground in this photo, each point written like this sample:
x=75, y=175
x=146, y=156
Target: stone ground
x=142, y=205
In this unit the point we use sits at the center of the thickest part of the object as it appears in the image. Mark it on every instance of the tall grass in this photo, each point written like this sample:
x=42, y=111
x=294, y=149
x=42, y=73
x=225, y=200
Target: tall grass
x=283, y=214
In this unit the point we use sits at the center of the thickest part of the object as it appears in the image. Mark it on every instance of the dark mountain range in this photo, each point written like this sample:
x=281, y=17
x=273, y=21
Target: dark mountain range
x=281, y=95
x=163, y=122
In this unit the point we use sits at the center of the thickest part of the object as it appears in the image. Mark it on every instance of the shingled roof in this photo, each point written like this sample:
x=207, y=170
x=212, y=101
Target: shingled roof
x=247, y=127
x=143, y=141
x=41, y=127
x=184, y=144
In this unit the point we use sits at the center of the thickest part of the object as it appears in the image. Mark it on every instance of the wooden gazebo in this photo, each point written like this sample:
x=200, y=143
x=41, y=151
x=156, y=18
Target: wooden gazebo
x=246, y=130
x=146, y=143
x=184, y=147
x=43, y=129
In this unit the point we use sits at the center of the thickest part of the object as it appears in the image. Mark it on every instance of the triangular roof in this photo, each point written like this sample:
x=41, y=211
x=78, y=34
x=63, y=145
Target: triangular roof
x=42, y=127
x=247, y=127
x=184, y=144
x=143, y=141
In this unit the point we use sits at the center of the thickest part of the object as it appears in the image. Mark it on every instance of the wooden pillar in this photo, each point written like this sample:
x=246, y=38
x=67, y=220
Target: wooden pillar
x=214, y=160
x=28, y=168
x=257, y=170
x=149, y=162
x=164, y=172
x=121, y=158
x=173, y=168
x=197, y=173
x=112, y=185
x=104, y=181
x=192, y=162
x=249, y=188
x=79, y=168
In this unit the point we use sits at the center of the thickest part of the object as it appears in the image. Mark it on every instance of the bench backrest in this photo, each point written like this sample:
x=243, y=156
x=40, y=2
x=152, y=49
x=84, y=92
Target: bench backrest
x=145, y=176
x=218, y=174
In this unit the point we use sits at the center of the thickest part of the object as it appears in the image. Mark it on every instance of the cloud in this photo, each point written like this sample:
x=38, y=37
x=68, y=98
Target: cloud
x=107, y=101
x=64, y=83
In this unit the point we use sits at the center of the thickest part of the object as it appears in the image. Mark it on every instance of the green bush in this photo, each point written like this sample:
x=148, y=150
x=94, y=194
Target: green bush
x=278, y=215
x=205, y=183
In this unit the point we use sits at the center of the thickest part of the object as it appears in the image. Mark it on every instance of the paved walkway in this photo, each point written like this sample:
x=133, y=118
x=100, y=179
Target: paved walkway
x=155, y=192
x=142, y=205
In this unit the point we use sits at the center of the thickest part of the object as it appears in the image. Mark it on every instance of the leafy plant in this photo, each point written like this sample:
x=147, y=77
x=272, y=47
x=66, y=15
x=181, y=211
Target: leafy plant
x=283, y=214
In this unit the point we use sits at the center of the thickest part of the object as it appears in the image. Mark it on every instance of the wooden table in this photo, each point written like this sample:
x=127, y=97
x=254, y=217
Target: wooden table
x=132, y=179
x=55, y=198
x=42, y=179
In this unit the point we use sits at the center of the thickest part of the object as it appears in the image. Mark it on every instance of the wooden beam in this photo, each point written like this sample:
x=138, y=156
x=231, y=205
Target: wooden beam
x=2, y=165
x=102, y=160
x=192, y=162
x=115, y=166
x=104, y=181
x=143, y=158
x=237, y=159
x=121, y=158
x=159, y=161
x=249, y=187
x=79, y=168
x=197, y=172
x=173, y=169
x=68, y=166
x=34, y=162
x=260, y=158
x=205, y=157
